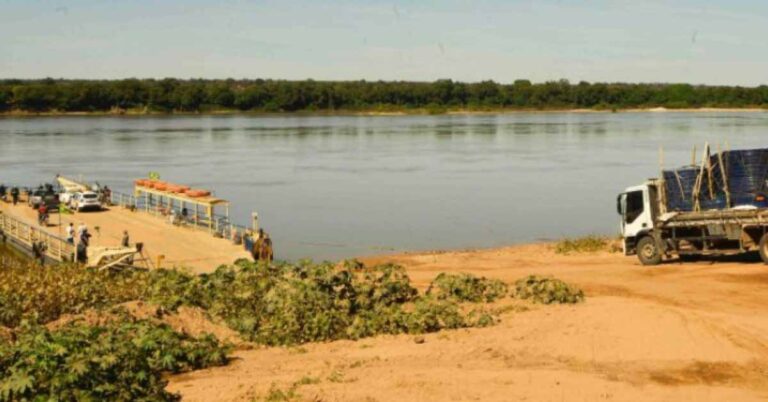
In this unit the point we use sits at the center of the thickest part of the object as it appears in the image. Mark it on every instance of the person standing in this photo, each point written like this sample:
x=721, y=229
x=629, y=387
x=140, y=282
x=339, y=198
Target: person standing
x=15, y=195
x=106, y=194
x=38, y=251
x=71, y=233
x=42, y=215
x=82, y=228
x=42, y=247
x=266, y=253
x=82, y=253
x=126, y=242
x=85, y=238
x=257, y=245
x=248, y=242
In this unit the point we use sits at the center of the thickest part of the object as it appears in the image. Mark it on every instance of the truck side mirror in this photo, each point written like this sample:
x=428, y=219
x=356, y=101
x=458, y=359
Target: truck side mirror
x=618, y=204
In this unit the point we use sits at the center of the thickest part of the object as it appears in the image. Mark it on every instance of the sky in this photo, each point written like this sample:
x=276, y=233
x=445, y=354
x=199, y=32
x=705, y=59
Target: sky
x=716, y=42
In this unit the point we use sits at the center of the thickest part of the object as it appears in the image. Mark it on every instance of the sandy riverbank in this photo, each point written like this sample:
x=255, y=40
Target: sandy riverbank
x=695, y=332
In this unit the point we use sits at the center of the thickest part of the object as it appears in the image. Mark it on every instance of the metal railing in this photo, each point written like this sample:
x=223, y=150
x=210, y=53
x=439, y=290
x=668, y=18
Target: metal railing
x=27, y=235
x=217, y=225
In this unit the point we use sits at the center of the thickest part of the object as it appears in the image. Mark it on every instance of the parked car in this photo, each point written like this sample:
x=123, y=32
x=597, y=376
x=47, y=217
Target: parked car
x=35, y=198
x=87, y=200
x=43, y=193
x=51, y=202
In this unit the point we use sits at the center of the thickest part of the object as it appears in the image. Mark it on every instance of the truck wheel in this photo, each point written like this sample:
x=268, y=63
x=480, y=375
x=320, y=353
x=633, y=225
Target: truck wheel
x=648, y=251
x=764, y=248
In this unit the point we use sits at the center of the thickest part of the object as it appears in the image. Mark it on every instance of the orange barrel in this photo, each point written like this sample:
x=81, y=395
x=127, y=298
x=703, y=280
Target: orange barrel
x=161, y=185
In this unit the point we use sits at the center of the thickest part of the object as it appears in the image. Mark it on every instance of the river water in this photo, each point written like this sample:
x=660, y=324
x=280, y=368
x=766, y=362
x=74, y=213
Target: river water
x=330, y=187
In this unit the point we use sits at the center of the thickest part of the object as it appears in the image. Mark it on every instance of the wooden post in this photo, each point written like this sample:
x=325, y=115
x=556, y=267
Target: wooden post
x=680, y=184
x=662, y=186
x=725, y=178
x=710, y=182
x=693, y=156
x=699, y=179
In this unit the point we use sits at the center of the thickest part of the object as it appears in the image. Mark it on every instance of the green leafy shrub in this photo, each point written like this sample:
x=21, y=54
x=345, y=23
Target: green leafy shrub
x=467, y=287
x=272, y=304
x=586, y=244
x=42, y=294
x=547, y=290
x=284, y=304
x=123, y=360
x=172, y=288
x=431, y=315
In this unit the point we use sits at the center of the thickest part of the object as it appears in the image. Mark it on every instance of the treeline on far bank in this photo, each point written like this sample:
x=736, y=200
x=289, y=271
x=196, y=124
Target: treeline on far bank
x=175, y=95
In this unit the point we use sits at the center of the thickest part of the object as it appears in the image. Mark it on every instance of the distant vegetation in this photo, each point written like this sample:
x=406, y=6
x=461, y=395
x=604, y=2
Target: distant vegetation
x=174, y=95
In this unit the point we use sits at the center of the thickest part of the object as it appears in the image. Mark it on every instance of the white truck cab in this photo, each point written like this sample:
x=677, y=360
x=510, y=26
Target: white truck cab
x=638, y=208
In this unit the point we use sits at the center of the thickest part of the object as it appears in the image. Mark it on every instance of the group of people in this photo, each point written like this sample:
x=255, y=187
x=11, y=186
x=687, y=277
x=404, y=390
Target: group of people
x=260, y=247
x=84, y=240
x=15, y=192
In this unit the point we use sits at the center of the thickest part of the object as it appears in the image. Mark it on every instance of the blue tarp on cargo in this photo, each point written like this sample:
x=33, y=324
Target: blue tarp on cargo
x=746, y=172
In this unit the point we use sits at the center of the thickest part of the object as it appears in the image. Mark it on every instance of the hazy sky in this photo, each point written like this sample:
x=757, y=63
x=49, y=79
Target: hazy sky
x=712, y=42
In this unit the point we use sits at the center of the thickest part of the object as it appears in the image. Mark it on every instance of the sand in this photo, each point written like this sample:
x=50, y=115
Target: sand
x=678, y=332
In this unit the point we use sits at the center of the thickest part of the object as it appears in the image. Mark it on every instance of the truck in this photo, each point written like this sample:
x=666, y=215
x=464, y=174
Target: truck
x=718, y=207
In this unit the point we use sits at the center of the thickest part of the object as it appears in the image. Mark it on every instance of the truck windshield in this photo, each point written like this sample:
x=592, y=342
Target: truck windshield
x=634, y=206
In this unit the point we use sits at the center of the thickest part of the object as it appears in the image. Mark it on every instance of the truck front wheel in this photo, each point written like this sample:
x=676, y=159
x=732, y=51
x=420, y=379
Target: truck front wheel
x=649, y=252
x=764, y=248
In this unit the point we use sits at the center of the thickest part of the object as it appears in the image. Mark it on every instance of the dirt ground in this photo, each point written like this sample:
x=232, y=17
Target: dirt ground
x=677, y=332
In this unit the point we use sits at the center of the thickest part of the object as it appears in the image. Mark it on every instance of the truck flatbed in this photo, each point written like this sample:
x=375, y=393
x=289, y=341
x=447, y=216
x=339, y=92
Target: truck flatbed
x=715, y=217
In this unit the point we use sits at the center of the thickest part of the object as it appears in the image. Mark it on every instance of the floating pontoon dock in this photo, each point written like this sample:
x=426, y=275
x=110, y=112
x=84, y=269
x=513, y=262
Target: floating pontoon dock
x=201, y=243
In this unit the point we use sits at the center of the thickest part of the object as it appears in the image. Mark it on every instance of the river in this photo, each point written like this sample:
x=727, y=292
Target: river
x=330, y=187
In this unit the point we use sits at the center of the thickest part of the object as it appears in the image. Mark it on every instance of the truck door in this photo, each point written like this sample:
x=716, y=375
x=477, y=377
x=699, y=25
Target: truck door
x=637, y=212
